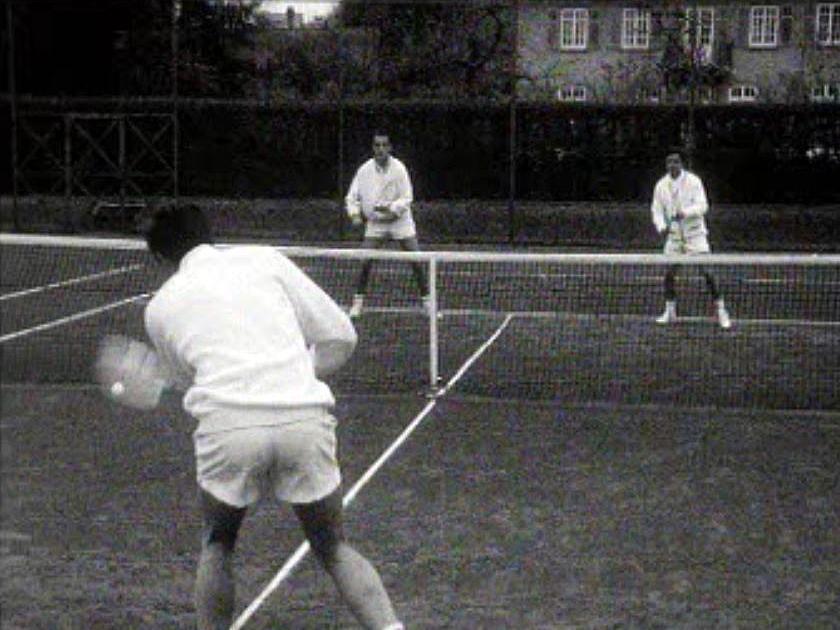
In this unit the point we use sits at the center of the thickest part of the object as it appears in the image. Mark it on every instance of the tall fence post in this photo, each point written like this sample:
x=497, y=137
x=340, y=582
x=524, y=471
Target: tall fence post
x=176, y=129
x=512, y=130
x=68, y=172
x=13, y=111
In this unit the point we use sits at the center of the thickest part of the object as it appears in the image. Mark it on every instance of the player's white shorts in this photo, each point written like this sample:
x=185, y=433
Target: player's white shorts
x=695, y=244
x=400, y=229
x=294, y=461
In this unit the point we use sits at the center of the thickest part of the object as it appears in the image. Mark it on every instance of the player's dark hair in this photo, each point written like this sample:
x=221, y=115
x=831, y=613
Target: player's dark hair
x=175, y=230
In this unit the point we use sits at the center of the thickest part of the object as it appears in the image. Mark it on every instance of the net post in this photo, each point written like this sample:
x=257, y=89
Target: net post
x=433, y=326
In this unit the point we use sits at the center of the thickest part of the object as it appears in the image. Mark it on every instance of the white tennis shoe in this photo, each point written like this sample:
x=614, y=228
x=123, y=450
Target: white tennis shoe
x=668, y=317
x=356, y=307
x=723, y=319
x=427, y=305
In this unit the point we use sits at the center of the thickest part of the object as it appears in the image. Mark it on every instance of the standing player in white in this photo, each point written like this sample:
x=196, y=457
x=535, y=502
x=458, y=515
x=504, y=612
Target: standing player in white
x=247, y=335
x=678, y=209
x=380, y=195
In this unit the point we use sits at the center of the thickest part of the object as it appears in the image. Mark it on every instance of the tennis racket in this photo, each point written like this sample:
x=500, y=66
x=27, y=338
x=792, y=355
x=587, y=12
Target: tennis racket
x=129, y=372
x=387, y=194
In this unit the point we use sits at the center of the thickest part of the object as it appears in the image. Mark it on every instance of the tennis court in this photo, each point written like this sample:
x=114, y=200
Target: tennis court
x=582, y=467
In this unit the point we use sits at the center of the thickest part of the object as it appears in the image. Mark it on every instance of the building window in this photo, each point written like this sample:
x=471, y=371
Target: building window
x=635, y=31
x=764, y=27
x=743, y=94
x=572, y=93
x=648, y=95
x=574, y=29
x=827, y=93
x=828, y=24
x=703, y=26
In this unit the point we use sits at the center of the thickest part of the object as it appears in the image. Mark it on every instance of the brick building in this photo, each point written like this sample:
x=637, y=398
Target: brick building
x=621, y=51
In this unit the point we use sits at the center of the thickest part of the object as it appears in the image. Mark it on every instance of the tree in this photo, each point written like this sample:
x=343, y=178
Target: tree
x=432, y=49
x=215, y=43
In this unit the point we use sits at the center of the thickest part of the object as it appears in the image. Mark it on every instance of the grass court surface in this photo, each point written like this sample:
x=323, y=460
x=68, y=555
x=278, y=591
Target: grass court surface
x=588, y=470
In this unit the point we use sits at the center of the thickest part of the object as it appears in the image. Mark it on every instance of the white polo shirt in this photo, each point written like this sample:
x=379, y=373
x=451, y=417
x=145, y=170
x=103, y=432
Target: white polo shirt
x=234, y=326
x=390, y=186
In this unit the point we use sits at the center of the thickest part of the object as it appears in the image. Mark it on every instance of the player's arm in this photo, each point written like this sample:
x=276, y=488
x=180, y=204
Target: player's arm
x=178, y=376
x=657, y=210
x=698, y=204
x=327, y=330
x=405, y=194
x=353, y=201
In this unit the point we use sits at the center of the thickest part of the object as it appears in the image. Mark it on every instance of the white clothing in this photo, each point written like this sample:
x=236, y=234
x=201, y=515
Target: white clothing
x=295, y=462
x=240, y=329
x=686, y=194
x=676, y=244
x=376, y=186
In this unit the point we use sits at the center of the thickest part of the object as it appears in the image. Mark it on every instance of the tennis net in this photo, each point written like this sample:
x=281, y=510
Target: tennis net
x=575, y=328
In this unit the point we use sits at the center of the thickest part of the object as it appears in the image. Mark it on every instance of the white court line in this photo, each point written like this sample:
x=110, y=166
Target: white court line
x=303, y=548
x=71, y=281
x=72, y=318
x=481, y=312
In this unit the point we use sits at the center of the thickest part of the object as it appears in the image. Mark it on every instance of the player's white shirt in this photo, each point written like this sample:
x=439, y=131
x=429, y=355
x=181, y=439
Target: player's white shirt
x=685, y=193
x=234, y=327
x=390, y=186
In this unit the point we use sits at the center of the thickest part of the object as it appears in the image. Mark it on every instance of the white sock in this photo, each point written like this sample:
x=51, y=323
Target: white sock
x=671, y=306
x=721, y=306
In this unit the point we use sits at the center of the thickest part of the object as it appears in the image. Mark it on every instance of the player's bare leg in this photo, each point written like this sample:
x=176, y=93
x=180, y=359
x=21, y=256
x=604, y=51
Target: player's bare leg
x=722, y=314
x=364, y=277
x=356, y=578
x=215, y=592
x=411, y=245
x=670, y=313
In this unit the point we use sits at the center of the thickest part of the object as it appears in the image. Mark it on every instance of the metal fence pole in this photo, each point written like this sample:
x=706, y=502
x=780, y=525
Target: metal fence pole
x=68, y=171
x=340, y=183
x=512, y=139
x=13, y=111
x=434, y=370
x=176, y=129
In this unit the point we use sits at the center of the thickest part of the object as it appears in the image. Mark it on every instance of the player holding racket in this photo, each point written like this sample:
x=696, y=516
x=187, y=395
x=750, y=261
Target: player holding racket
x=248, y=336
x=380, y=196
x=678, y=209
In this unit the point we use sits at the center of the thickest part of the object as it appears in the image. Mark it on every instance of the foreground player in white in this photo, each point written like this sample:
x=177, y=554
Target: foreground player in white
x=247, y=335
x=678, y=208
x=380, y=195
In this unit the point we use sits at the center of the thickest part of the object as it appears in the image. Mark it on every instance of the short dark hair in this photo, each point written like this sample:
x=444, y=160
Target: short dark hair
x=175, y=230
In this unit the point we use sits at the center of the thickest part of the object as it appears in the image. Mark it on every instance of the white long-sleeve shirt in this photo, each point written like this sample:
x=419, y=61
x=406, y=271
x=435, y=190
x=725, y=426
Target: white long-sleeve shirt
x=376, y=186
x=686, y=194
x=241, y=328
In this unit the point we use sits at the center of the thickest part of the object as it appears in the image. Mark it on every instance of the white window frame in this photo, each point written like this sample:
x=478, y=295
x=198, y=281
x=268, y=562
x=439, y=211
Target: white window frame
x=635, y=29
x=828, y=24
x=738, y=94
x=704, y=29
x=764, y=26
x=826, y=93
x=572, y=94
x=647, y=95
x=574, y=29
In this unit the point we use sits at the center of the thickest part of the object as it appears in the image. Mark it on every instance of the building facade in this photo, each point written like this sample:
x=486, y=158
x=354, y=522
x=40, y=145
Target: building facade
x=711, y=51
